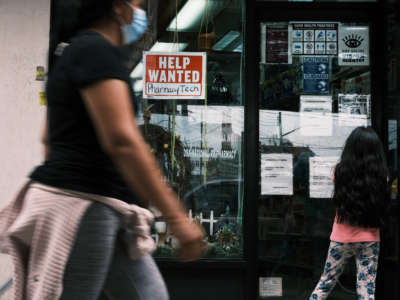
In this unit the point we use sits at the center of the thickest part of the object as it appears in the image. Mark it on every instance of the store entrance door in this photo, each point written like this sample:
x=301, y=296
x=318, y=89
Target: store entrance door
x=315, y=77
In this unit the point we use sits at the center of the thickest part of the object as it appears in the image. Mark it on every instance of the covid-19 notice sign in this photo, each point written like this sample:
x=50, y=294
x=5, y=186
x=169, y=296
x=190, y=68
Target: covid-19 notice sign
x=179, y=75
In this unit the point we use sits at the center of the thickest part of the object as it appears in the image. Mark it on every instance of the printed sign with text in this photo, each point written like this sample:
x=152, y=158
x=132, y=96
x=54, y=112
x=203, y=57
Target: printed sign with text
x=276, y=45
x=276, y=174
x=354, y=46
x=321, y=173
x=180, y=75
x=313, y=38
x=354, y=110
x=316, y=115
x=316, y=74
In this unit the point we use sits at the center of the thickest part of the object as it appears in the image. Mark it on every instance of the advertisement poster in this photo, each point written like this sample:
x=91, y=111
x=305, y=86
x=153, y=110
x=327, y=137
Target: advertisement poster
x=316, y=115
x=316, y=74
x=277, y=174
x=354, y=109
x=179, y=75
x=276, y=45
x=321, y=173
x=354, y=46
x=314, y=38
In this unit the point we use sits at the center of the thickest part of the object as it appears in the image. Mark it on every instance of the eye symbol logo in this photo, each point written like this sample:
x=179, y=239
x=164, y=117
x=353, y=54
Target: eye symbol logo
x=353, y=40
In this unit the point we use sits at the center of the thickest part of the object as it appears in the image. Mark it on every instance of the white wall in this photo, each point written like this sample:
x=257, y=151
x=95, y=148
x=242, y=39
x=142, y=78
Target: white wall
x=24, y=39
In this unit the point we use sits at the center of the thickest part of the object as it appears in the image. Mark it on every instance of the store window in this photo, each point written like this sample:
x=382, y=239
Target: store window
x=315, y=88
x=188, y=84
x=354, y=1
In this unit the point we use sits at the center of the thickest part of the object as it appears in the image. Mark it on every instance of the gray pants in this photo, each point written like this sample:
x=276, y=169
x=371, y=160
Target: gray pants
x=99, y=268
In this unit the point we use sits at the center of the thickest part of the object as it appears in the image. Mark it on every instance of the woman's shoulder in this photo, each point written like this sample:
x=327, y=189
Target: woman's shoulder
x=89, y=49
x=90, y=57
x=89, y=40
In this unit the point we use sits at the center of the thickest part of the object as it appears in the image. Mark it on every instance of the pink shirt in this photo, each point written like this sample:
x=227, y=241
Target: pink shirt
x=344, y=233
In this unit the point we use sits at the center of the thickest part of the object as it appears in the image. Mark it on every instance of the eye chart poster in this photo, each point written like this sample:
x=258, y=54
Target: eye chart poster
x=321, y=172
x=277, y=174
x=354, y=46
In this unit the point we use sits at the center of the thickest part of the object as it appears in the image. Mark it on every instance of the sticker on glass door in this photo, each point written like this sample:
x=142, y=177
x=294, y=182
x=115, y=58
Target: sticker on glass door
x=271, y=287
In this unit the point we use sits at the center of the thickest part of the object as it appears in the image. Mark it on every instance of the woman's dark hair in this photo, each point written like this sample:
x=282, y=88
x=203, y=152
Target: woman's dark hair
x=361, y=190
x=68, y=17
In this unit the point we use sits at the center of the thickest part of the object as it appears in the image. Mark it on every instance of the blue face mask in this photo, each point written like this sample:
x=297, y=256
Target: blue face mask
x=132, y=32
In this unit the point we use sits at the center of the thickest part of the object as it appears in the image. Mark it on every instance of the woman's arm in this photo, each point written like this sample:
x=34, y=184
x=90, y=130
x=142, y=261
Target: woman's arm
x=109, y=105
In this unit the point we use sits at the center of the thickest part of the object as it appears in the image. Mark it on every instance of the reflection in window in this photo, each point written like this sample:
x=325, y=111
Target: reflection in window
x=198, y=143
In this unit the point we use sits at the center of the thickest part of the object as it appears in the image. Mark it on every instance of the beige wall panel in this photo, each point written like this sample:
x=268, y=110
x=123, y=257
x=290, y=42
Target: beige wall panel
x=24, y=39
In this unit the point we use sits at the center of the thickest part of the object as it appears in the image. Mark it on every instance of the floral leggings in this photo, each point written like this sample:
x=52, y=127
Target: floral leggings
x=366, y=255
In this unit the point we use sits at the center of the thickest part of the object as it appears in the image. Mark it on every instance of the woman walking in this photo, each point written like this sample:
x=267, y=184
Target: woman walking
x=76, y=225
x=360, y=197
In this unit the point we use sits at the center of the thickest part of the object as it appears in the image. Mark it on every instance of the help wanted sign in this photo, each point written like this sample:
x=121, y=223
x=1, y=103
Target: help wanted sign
x=179, y=75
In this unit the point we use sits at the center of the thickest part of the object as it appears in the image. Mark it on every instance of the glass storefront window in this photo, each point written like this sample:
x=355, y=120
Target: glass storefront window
x=315, y=88
x=354, y=1
x=198, y=142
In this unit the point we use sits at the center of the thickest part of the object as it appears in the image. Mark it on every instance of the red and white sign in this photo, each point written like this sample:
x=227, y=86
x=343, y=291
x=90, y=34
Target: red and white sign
x=179, y=75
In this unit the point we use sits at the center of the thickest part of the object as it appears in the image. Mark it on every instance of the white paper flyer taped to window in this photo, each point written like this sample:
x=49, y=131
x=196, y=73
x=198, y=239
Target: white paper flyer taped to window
x=315, y=115
x=321, y=173
x=277, y=174
x=354, y=110
x=271, y=287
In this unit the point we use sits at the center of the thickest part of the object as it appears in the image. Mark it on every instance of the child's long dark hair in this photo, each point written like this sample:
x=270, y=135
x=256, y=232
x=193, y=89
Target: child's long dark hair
x=361, y=187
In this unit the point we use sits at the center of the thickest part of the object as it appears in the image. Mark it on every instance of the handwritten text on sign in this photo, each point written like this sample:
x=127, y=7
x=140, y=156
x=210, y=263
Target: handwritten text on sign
x=174, y=75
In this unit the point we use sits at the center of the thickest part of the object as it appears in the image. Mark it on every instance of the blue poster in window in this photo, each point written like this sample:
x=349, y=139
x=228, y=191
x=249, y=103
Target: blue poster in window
x=316, y=75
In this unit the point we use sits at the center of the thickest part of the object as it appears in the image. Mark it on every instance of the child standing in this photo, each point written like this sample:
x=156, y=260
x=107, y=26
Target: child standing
x=360, y=198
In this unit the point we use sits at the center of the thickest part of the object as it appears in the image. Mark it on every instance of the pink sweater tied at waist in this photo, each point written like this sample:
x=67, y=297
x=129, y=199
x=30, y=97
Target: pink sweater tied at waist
x=38, y=229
